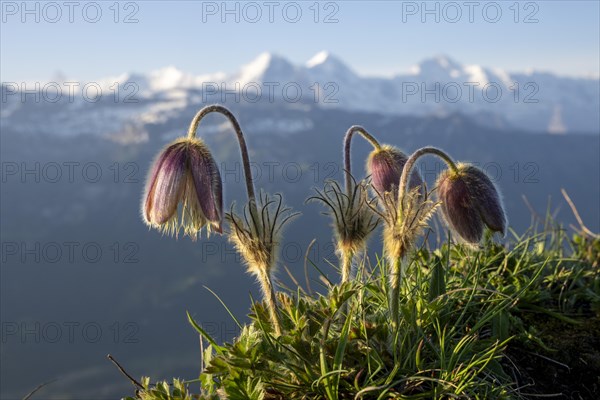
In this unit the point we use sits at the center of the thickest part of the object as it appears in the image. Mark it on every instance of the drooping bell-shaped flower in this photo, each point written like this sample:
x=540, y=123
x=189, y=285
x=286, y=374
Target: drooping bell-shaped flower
x=184, y=190
x=385, y=166
x=470, y=202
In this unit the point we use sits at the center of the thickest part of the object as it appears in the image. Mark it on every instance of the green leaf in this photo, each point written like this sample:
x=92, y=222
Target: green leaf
x=437, y=284
x=204, y=334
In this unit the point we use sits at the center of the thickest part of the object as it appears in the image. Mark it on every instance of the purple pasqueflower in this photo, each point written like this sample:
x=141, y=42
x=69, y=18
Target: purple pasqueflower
x=184, y=174
x=385, y=166
x=470, y=202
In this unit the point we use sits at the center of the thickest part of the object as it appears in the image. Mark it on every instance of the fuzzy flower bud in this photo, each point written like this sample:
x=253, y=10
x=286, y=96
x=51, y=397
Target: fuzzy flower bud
x=470, y=202
x=184, y=173
x=385, y=166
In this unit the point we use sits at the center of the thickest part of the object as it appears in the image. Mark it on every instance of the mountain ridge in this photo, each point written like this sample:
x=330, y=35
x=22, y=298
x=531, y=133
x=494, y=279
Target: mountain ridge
x=438, y=85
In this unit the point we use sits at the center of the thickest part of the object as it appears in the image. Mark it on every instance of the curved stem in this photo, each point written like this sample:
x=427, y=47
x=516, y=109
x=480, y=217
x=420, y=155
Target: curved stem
x=242, y=142
x=411, y=162
x=347, y=141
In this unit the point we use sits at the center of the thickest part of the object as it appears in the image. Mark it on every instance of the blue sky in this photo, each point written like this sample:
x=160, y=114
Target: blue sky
x=375, y=38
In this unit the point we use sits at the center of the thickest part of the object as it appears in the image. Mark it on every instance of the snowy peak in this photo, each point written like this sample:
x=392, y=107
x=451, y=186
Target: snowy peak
x=258, y=66
x=325, y=67
x=445, y=62
x=444, y=69
x=476, y=73
x=327, y=63
x=325, y=59
x=265, y=67
x=440, y=62
x=439, y=67
x=319, y=58
x=163, y=80
x=169, y=78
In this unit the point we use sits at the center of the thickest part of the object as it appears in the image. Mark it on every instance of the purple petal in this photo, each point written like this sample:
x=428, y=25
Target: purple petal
x=151, y=181
x=486, y=198
x=458, y=208
x=385, y=167
x=385, y=171
x=207, y=183
x=166, y=184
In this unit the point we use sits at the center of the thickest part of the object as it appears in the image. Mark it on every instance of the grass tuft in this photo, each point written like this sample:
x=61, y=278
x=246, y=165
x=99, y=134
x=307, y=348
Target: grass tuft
x=470, y=322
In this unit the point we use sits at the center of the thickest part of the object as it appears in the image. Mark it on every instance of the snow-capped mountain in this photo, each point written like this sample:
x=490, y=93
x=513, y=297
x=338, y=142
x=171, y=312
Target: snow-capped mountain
x=439, y=85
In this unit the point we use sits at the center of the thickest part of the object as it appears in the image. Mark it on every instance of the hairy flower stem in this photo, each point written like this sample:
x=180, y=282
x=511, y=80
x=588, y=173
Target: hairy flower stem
x=347, y=142
x=243, y=148
x=396, y=259
x=410, y=164
x=269, y=295
x=264, y=276
x=395, y=280
x=347, y=257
